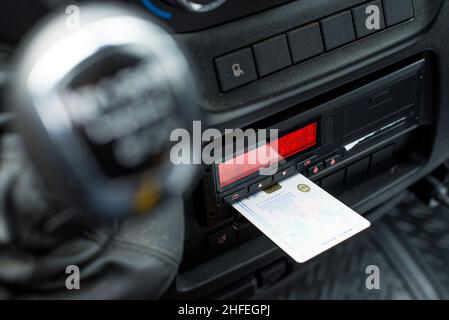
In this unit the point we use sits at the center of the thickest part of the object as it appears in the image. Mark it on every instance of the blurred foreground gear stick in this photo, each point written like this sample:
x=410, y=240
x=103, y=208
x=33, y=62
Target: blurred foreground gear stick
x=96, y=105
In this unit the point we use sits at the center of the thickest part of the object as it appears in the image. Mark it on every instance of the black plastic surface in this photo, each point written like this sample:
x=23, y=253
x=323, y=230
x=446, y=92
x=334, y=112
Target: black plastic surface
x=334, y=182
x=181, y=20
x=338, y=30
x=397, y=11
x=357, y=171
x=272, y=55
x=305, y=42
x=379, y=158
x=369, y=112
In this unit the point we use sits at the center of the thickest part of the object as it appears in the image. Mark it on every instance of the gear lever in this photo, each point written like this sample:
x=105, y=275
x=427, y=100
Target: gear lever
x=96, y=107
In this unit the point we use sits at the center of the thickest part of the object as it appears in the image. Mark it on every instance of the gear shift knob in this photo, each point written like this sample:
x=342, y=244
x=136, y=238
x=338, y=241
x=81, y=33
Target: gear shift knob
x=96, y=107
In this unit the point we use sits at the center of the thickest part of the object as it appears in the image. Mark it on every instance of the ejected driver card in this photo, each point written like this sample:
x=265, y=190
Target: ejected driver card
x=301, y=218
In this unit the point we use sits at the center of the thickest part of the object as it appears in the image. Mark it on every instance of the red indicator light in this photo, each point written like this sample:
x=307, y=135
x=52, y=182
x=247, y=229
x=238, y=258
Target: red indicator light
x=252, y=161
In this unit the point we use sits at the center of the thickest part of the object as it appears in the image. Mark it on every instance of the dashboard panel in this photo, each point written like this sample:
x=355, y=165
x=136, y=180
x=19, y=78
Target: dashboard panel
x=288, y=88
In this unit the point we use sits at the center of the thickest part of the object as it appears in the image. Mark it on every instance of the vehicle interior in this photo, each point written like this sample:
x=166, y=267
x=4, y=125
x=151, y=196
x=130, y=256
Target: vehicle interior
x=93, y=91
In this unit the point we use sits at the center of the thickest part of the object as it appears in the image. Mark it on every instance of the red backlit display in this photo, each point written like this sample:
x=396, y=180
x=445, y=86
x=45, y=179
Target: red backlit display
x=246, y=164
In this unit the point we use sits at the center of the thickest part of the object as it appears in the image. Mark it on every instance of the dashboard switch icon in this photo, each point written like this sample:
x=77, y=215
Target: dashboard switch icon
x=237, y=70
